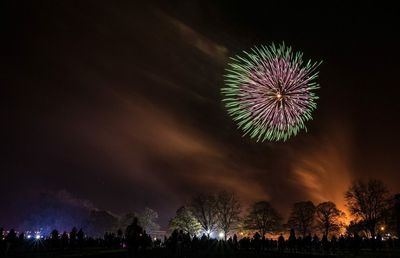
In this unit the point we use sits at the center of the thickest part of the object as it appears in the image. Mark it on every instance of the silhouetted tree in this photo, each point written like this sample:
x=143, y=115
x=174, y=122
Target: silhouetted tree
x=302, y=217
x=228, y=211
x=368, y=201
x=185, y=221
x=204, y=208
x=147, y=220
x=125, y=220
x=328, y=217
x=356, y=227
x=99, y=222
x=263, y=217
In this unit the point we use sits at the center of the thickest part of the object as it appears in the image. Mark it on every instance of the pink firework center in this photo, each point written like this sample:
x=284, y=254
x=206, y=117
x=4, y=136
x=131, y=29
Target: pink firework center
x=270, y=93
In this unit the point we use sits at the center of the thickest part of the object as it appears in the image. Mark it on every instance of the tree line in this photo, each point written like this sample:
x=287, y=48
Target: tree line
x=374, y=210
x=213, y=221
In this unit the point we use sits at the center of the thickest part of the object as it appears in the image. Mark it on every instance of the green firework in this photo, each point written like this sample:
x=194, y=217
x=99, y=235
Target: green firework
x=269, y=92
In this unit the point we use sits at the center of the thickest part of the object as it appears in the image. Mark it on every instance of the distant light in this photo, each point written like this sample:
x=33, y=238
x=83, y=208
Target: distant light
x=221, y=234
x=208, y=232
x=155, y=238
x=382, y=228
x=37, y=237
x=29, y=236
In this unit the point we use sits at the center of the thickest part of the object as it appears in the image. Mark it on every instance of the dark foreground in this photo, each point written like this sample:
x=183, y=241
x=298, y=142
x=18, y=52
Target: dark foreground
x=217, y=252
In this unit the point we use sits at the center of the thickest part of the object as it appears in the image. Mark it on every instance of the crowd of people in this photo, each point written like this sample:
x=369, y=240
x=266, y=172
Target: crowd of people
x=179, y=242
x=136, y=241
x=12, y=242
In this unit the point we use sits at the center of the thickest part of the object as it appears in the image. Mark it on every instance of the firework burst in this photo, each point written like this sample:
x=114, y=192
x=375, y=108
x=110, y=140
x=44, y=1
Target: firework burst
x=269, y=92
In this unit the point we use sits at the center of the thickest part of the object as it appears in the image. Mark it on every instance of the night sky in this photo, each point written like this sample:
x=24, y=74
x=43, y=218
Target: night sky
x=118, y=106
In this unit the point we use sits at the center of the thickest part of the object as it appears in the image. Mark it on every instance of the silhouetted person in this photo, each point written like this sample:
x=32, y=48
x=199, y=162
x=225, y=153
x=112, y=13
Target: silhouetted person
x=80, y=237
x=356, y=243
x=281, y=243
x=133, y=234
x=292, y=241
x=173, y=241
x=21, y=238
x=235, y=242
x=72, y=237
x=11, y=240
x=325, y=243
x=257, y=242
x=390, y=242
x=64, y=240
x=186, y=241
x=54, y=238
x=308, y=242
x=263, y=243
x=299, y=244
x=342, y=243
x=145, y=240
x=315, y=242
x=179, y=244
x=204, y=241
x=195, y=243
x=334, y=244
x=378, y=241
x=1, y=241
x=120, y=236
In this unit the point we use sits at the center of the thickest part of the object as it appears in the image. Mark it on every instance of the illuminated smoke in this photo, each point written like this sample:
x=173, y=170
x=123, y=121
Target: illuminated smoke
x=325, y=172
